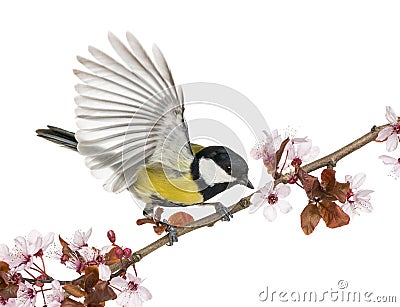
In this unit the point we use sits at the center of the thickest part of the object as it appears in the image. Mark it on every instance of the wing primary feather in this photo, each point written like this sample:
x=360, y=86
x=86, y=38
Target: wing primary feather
x=106, y=72
x=130, y=59
x=114, y=65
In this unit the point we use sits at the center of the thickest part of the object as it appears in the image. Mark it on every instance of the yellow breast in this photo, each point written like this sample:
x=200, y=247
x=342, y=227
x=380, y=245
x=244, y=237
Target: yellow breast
x=152, y=181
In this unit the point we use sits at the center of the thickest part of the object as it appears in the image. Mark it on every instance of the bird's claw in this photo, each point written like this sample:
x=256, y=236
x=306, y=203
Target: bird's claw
x=172, y=233
x=226, y=215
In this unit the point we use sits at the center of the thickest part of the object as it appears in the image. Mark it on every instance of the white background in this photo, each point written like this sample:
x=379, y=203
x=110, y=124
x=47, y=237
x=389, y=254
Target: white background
x=326, y=68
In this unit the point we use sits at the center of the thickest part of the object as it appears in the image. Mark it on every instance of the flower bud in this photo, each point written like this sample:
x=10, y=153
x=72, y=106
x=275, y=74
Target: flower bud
x=127, y=252
x=119, y=253
x=111, y=236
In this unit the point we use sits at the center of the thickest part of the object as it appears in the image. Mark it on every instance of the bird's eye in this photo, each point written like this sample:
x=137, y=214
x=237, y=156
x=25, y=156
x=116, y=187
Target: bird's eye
x=228, y=168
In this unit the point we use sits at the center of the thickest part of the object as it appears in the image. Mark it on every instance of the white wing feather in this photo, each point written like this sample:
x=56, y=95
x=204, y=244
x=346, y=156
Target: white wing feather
x=130, y=115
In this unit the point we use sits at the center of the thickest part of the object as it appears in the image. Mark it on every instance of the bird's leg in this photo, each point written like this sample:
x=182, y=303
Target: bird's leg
x=160, y=226
x=172, y=233
x=223, y=211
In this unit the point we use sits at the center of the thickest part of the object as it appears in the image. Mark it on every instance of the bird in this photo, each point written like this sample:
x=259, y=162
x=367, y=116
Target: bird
x=132, y=132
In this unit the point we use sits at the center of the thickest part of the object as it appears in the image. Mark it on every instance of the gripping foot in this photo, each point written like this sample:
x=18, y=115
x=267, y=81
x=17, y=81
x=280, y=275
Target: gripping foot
x=172, y=233
x=226, y=215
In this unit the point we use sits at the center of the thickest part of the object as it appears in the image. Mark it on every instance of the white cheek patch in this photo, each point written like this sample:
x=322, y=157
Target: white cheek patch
x=212, y=173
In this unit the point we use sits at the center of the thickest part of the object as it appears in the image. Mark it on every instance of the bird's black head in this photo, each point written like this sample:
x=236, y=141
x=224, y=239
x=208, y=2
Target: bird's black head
x=219, y=164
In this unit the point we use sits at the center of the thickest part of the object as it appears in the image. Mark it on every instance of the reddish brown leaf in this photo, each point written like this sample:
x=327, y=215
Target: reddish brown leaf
x=111, y=257
x=309, y=218
x=68, y=302
x=328, y=179
x=279, y=152
x=333, y=188
x=3, y=280
x=9, y=292
x=332, y=214
x=4, y=267
x=310, y=183
x=160, y=228
x=74, y=290
x=180, y=219
x=143, y=221
x=91, y=277
x=102, y=292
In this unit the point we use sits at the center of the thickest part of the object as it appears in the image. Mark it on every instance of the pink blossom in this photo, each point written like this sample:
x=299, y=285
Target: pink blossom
x=266, y=149
x=392, y=161
x=57, y=295
x=5, y=253
x=132, y=293
x=11, y=302
x=90, y=256
x=356, y=199
x=26, y=295
x=27, y=248
x=302, y=152
x=391, y=133
x=80, y=239
x=271, y=197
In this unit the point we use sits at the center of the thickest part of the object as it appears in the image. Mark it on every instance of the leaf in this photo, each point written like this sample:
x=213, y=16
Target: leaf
x=160, y=228
x=333, y=188
x=9, y=292
x=111, y=257
x=310, y=184
x=91, y=277
x=3, y=280
x=68, y=302
x=332, y=214
x=4, y=267
x=143, y=221
x=328, y=179
x=279, y=152
x=102, y=292
x=180, y=219
x=74, y=290
x=309, y=218
x=66, y=251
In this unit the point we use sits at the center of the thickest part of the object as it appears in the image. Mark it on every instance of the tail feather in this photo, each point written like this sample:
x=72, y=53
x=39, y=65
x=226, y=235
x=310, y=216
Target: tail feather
x=59, y=136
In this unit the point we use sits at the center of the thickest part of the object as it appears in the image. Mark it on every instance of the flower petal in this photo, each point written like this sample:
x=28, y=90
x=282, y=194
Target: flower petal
x=388, y=160
x=256, y=200
x=270, y=213
x=358, y=180
x=144, y=293
x=304, y=149
x=384, y=134
x=363, y=193
x=104, y=272
x=256, y=152
x=284, y=206
x=396, y=170
x=119, y=282
x=282, y=190
x=391, y=115
x=365, y=206
x=47, y=240
x=267, y=189
x=314, y=152
x=392, y=142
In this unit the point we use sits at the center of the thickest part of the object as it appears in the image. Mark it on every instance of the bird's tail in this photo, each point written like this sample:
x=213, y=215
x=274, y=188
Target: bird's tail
x=59, y=136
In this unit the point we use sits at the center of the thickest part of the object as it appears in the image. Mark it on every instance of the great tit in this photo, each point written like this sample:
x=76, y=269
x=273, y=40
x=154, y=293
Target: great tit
x=133, y=133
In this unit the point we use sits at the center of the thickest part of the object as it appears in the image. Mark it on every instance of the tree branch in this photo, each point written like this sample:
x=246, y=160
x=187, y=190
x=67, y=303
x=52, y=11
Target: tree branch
x=327, y=161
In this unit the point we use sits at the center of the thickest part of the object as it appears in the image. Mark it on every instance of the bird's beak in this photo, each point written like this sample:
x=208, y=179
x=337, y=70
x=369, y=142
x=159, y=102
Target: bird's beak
x=249, y=184
x=246, y=182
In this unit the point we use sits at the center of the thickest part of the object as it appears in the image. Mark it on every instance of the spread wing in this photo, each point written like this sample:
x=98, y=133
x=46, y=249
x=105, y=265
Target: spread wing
x=130, y=114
